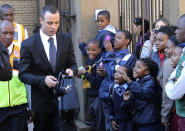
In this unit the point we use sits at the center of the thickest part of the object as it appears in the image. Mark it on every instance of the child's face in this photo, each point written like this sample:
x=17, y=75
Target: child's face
x=118, y=75
x=161, y=40
x=175, y=57
x=93, y=50
x=102, y=21
x=169, y=48
x=140, y=70
x=120, y=41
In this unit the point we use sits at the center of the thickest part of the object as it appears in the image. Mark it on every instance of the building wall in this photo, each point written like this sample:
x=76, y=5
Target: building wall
x=181, y=9
x=25, y=12
x=173, y=9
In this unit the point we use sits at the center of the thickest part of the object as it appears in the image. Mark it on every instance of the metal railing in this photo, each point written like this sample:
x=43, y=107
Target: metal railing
x=130, y=9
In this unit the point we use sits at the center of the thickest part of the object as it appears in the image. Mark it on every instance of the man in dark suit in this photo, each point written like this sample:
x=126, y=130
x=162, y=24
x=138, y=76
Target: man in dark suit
x=43, y=56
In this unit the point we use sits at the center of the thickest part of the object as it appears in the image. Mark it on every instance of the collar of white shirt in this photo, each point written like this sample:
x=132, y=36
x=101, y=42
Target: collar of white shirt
x=45, y=38
x=10, y=49
x=46, y=44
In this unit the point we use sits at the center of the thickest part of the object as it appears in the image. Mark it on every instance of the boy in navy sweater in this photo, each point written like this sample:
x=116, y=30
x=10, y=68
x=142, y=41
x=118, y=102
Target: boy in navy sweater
x=114, y=57
x=95, y=111
x=105, y=29
x=120, y=119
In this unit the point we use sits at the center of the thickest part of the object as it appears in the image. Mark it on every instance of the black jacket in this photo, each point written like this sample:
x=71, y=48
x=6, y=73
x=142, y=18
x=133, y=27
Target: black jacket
x=147, y=93
x=94, y=79
x=35, y=66
x=5, y=67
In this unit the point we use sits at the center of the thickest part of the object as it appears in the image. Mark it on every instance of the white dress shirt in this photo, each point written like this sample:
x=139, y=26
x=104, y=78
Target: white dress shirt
x=46, y=44
x=176, y=90
x=10, y=49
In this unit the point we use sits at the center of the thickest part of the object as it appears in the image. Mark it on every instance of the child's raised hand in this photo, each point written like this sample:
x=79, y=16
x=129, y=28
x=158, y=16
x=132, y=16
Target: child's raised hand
x=101, y=71
x=81, y=72
x=126, y=96
x=125, y=77
x=108, y=46
x=114, y=125
x=153, y=38
x=80, y=40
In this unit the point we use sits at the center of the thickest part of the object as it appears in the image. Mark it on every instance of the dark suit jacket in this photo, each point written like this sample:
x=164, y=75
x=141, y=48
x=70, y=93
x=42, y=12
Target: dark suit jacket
x=35, y=66
x=5, y=67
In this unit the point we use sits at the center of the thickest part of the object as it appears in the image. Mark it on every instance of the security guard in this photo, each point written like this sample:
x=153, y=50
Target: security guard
x=12, y=93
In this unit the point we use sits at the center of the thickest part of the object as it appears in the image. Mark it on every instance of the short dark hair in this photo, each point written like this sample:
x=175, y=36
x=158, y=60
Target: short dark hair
x=127, y=34
x=105, y=13
x=182, y=16
x=138, y=21
x=3, y=8
x=168, y=30
x=94, y=41
x=174, y=40
x=6, y=6
x=49, y=8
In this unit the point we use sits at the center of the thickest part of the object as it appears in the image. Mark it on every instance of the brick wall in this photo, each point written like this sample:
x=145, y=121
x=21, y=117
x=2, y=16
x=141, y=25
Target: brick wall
x=25, y=12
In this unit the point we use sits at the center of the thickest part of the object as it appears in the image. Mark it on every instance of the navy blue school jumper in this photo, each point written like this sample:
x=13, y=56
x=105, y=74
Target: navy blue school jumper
x=111, y=61
x=109, y=30
x=122, y=118
x=95, y=109
x=148, y=98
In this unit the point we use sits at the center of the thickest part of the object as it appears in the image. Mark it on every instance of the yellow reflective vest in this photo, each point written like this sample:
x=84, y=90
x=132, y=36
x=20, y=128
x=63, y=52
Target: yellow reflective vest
x=20, y=34
x=13, y=92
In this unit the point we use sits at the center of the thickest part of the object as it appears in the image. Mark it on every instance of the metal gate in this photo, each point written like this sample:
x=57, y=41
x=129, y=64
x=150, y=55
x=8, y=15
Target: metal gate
x=130, y=9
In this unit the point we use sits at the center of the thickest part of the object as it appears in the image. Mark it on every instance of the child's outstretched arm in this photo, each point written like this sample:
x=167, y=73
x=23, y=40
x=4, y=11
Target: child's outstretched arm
x=145, y=92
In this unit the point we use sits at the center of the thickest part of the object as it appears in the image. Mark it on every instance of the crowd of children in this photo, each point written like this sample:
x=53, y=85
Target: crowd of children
x=126, y=92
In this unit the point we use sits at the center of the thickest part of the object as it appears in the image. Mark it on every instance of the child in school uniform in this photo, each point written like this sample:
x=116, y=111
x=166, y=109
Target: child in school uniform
x=94, y=105
x=120, y=119
x=147, y=94
x=105, y=29
x=119, y=55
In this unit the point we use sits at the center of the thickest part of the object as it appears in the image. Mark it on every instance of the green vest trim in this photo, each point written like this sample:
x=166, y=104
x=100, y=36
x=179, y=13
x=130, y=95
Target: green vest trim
x=180, y=107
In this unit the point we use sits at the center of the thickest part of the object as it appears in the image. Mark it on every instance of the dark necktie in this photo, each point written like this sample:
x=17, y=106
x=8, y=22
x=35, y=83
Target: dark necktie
x=52, y=53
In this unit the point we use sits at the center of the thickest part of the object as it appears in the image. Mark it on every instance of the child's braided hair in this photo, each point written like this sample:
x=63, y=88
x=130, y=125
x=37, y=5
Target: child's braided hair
x=152, y=66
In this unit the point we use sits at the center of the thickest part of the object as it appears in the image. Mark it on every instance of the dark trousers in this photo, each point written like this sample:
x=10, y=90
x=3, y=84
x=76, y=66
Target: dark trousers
x=106, y=111
x=88, y=101
x=46, y=122
x=97, y=115
x=174, y=121
x=13, y=118
x=125, y=125
x=181, y=124
x=149, y=127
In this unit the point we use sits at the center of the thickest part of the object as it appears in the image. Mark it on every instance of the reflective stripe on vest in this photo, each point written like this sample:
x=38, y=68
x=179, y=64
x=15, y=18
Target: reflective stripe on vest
x=19, y=34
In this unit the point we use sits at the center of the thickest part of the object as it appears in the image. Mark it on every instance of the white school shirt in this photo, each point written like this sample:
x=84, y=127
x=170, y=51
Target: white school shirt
x=46, y=44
